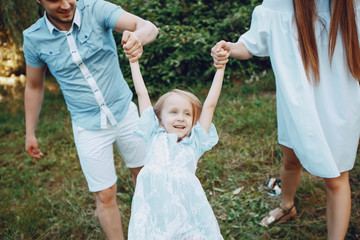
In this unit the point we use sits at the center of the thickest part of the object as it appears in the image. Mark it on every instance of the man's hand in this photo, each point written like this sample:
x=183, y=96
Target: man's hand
x=132, y=46
x=32, y=147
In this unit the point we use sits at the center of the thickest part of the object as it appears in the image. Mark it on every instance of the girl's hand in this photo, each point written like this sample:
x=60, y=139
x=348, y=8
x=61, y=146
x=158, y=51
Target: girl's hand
x=220, y=53
x=132, y=46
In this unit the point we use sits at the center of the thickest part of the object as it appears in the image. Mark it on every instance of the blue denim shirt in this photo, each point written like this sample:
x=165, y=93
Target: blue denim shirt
x=85, y=63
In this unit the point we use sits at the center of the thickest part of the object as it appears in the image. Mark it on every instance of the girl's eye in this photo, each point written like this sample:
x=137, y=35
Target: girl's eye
x=173, y=112
x=187, y=114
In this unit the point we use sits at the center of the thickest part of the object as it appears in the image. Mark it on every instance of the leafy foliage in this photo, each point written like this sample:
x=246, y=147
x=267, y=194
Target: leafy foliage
x=15, y=16
x=181, y=53
x=180, y=56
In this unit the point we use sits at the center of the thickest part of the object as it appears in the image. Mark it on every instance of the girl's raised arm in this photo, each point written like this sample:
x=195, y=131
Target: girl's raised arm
x=212, y=98
x=140, y=88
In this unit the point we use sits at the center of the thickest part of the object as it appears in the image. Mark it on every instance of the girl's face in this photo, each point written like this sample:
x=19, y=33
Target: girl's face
x=177, y=115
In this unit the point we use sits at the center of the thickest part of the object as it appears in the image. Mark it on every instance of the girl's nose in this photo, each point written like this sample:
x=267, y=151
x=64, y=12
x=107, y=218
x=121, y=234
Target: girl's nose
x=180, y=117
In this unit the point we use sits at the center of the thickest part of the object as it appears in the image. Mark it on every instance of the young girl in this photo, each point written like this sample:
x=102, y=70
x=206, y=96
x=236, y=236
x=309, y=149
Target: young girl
x=169, y=202
x=314, y=50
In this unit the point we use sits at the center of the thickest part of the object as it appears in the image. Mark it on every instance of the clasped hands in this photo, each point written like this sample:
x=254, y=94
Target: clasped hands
x=132, y=46
x=133, y=50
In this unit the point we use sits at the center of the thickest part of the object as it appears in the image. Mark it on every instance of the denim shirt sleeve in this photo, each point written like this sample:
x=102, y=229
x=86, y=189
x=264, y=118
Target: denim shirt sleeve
x=107, y=13
x=30, y=54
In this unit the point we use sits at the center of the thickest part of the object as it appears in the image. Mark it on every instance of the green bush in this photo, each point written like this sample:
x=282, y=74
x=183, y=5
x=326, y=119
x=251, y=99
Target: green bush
x=181, y=53
x=187, y=31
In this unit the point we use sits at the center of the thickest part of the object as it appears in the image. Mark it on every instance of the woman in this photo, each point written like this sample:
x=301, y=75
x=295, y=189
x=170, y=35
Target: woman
x=314, y=51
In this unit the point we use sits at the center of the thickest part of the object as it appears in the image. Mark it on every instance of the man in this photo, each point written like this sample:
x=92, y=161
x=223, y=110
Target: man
x=74, y=40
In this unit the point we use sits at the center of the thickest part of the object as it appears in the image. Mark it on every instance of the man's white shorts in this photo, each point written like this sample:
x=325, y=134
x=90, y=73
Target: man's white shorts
x=95, y=150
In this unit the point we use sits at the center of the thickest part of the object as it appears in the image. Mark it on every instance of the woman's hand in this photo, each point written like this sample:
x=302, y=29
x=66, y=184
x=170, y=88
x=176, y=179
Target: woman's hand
x=220, y=53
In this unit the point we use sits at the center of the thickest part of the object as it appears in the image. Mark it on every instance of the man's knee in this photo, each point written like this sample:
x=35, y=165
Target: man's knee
x=106, y=197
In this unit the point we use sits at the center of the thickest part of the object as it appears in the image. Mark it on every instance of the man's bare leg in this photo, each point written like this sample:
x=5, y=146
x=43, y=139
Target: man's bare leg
x=108, y=213
x=134, y=173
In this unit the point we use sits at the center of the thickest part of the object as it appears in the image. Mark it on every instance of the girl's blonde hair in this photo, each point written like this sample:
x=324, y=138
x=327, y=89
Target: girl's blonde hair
x=194, y=101
x=343, y=17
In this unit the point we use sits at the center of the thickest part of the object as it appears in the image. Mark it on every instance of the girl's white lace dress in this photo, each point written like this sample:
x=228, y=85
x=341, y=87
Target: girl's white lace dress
x=169, y=201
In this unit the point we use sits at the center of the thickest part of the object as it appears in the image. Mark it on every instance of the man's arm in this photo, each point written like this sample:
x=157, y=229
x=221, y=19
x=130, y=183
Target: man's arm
x=34, y=94
x=145, y=32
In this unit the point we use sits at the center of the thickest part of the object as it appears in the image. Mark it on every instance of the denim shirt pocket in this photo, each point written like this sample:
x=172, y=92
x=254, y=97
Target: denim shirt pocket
x=52, y=58
x=90, y=41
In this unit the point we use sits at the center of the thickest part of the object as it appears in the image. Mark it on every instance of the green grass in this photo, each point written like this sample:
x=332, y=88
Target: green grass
x=49, y=199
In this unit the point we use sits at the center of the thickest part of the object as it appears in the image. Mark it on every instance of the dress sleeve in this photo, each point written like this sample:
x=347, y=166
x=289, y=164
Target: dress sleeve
x=147, y=124
x=204, y=140
x=256, y=38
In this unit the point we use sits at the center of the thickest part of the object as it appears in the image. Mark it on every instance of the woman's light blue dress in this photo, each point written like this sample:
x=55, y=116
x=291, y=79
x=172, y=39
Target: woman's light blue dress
x=169, y=202
x=320, y=122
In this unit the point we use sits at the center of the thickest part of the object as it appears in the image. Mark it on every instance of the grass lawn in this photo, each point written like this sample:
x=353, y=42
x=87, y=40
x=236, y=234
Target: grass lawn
x=49, y=199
